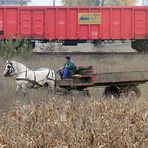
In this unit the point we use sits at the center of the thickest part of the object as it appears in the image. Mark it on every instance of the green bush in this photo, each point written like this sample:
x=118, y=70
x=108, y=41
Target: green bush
x=11, y=48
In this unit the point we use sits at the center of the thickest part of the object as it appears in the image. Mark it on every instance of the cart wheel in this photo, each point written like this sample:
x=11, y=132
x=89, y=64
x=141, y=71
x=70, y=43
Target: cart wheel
x=86, y=93
x=133, y=93
x=112, y=92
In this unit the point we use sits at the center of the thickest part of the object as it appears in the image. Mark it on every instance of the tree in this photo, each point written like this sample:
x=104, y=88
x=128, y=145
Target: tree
x=18, y=48
x=98, y=2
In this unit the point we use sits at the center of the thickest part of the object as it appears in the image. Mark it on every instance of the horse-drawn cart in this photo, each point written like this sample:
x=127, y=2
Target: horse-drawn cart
x=116, y=83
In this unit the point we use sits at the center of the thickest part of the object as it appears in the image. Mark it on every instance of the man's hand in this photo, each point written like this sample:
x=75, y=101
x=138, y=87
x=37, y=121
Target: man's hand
x=61, y=68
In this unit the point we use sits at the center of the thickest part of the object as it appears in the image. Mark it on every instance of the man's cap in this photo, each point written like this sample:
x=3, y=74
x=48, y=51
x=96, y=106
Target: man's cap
x=68, y=57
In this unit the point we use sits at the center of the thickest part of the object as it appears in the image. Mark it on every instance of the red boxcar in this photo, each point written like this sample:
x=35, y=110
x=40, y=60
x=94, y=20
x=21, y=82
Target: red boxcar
x=76, y=24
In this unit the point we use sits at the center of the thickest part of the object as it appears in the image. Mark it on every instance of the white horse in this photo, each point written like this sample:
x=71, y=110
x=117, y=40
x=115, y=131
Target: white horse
x=26, y=78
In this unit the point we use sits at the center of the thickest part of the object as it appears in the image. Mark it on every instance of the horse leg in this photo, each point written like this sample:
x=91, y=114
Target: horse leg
x=46, y=94
x=52, y=91
x=49, y=93
x=18, y=88
x=49, y=89
x=24, y=89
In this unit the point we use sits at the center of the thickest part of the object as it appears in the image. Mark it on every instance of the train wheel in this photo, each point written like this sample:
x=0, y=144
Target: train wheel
x=31, y=44
x=133, y=93
x=141, y=46
x=112, y=92
x=50, y=47
x=97, y=43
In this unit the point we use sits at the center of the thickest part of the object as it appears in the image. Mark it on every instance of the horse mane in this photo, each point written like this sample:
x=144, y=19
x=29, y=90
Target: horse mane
x=42, y=68
x=19, y=66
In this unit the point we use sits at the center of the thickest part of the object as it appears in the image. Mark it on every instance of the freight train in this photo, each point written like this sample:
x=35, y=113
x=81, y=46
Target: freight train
x=73, y=25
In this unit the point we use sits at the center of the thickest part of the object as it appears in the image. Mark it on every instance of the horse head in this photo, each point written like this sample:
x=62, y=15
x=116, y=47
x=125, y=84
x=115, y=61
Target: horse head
x=9, y=69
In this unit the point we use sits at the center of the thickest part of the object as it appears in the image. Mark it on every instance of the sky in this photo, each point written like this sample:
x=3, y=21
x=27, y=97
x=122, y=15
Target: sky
x=58, y=2
x=45, y=2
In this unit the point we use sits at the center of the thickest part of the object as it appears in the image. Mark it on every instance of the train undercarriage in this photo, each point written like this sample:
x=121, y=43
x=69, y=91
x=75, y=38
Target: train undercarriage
x=141, y=46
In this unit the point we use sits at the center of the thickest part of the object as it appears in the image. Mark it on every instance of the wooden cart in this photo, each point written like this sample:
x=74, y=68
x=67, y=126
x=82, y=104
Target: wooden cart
x=116, y=83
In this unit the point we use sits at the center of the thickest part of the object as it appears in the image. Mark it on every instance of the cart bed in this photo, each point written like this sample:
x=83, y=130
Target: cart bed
x=121, y=77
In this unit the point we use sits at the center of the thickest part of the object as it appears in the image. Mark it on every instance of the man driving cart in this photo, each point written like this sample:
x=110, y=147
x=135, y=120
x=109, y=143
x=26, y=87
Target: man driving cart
x=68, y=69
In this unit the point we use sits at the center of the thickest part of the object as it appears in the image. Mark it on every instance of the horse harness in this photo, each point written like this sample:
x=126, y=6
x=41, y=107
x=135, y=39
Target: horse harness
x=34, y=82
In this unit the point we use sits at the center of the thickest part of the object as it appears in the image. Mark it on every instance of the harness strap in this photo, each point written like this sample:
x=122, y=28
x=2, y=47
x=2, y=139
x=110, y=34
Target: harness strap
x=30, y=81
x=34, y=82
x=52, y=79
x=26, y=73
x=49, y=74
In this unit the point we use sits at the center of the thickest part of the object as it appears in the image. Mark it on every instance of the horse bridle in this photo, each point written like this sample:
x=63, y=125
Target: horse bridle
x=10, y=68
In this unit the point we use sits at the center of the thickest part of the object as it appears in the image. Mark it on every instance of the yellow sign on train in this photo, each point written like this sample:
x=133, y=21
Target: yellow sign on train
x=89, y=18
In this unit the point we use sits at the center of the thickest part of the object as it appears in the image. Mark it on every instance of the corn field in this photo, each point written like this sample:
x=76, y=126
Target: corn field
x=73, y=121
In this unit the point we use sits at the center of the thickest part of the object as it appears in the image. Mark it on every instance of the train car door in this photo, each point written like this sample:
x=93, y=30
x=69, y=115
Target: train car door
x=38, y=28
x=25, y=29
x=32, y=23
x=140, y=24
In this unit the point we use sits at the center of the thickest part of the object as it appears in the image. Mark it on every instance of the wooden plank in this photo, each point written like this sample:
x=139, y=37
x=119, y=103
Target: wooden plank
x=114, y=77
x=65, y=82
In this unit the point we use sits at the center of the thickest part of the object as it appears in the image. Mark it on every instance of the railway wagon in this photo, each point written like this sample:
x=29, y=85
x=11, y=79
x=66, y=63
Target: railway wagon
x=72, y=25
x=117, y=84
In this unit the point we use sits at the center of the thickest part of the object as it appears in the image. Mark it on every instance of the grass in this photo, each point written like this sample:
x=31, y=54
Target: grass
x=73, y=121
